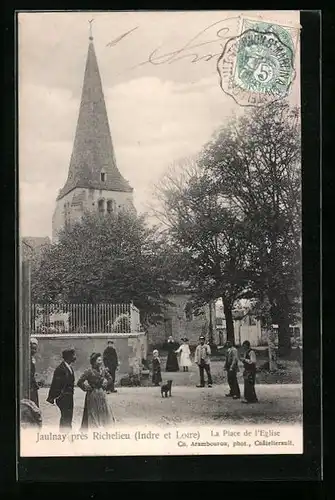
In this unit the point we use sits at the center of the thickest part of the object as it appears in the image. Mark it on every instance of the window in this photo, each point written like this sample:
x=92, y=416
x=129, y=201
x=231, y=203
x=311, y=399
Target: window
x=188, y=312
x=252, y=321
x=103, y=176
x=168, y=327
x=101, y=206
x=110, y=206
x=296, y=331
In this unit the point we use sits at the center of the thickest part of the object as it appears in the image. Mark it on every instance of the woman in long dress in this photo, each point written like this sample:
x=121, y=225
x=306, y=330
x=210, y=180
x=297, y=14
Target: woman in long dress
x=94, y=381
x=249, y=374
x=172, y=360
x=185, y=355
x=156, y=368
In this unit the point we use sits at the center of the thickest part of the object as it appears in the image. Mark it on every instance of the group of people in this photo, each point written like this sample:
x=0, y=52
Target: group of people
x=202, y=359
x=248, y=360
x=96, y=381
x=172, y=365
x=99, y=379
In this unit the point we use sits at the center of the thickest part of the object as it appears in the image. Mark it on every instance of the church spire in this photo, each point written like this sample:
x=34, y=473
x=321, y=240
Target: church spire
x=91, y=33
x=93, y=163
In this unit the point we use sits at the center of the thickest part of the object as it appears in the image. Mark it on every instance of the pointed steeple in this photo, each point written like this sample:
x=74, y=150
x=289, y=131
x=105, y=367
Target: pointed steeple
x=93, y=163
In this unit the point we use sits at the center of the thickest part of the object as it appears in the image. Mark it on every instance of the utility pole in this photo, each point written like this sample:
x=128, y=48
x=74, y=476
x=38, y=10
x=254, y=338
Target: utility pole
x=270, y=337
x=272, y=349
x=210, y=326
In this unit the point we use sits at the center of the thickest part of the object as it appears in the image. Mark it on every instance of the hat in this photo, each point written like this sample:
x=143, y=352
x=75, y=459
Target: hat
x=185, y=339
x=201, y=337
x=33, y=340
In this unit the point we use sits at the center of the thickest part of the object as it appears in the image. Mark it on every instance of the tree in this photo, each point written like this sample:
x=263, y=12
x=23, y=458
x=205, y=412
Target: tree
x=253, y=163
x=107, y=258
x=213, y=240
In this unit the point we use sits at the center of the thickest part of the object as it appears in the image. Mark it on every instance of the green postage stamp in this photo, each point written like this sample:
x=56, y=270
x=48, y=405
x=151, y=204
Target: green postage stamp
x=257, y=66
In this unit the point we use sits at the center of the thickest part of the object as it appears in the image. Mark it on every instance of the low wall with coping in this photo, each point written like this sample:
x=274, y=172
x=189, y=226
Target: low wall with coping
x=131, y=348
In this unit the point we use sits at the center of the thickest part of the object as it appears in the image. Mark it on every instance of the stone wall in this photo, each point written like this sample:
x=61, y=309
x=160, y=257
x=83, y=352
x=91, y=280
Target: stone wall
x=89, y=199
x=131, y=348
x=177, y=323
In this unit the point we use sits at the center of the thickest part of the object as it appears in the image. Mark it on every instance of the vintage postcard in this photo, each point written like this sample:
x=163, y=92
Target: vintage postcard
x=160, y=233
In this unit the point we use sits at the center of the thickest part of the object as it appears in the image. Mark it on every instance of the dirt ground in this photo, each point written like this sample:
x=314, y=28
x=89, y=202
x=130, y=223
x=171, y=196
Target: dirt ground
x=190, y=405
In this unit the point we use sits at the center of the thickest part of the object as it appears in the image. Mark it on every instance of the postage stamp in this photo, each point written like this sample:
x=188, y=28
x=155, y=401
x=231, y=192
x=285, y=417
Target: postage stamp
x=257, y=67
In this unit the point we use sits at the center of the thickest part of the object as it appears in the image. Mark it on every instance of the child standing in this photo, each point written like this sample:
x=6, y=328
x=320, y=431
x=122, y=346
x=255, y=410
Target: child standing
x=185, y=355
x=156, y=368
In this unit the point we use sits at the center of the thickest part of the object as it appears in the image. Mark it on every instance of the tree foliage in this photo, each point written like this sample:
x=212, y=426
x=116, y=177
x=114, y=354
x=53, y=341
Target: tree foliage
x=107, y=258
x=236, y=212
x=213, y=240
x=254, y=164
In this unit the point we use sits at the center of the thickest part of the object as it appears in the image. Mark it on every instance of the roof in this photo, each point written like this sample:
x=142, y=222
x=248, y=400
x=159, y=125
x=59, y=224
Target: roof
x=35, y=242
x=32, y=246
x=93, y=149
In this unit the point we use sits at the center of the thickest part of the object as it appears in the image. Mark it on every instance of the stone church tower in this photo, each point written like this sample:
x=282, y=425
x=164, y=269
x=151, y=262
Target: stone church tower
x=94, y=182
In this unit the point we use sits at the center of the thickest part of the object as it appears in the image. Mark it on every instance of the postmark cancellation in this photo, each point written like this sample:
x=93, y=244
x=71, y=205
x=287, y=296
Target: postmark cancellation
x=257, y=66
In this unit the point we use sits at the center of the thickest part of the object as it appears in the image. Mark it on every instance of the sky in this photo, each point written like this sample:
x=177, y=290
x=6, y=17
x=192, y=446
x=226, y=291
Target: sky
x=159, y=111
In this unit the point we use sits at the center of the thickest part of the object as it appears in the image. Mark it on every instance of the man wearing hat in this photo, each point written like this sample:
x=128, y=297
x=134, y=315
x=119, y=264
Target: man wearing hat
x=111, y=362
x=202, y=359
x=62, y=388
x=33, y=384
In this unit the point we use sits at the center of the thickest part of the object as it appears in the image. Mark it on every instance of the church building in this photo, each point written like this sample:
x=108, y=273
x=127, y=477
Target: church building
x=94, y=182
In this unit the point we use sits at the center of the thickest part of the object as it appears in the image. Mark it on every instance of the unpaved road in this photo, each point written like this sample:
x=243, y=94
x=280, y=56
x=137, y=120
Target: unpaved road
x=190, y=405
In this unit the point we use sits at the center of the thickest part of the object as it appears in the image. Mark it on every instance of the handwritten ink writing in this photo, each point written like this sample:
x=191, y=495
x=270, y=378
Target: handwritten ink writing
x=189, y=50
x=121, y=37
x=170, y=57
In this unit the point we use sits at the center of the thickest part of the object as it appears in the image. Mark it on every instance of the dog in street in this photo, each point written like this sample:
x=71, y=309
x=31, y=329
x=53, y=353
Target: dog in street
x=166, y=389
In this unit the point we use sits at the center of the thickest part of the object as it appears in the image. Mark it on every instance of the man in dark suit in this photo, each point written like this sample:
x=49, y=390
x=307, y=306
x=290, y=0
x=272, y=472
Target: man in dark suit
x=111, y=362
x=62, y=388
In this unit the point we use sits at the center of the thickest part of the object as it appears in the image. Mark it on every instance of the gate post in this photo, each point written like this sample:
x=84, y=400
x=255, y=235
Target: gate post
x=25, y=327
